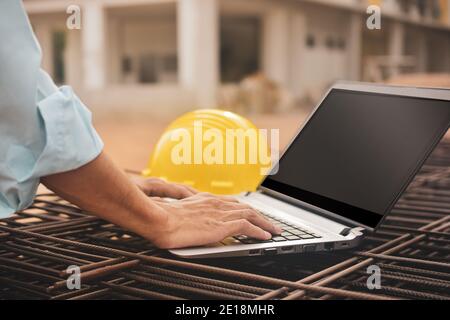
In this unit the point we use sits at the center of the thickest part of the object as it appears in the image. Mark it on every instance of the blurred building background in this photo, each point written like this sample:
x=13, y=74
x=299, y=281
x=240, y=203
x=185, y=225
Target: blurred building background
x=165, y=57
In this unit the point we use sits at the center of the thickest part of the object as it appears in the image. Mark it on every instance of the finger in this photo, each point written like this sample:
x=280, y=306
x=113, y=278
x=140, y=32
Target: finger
x=244, y=227
x=221, y=197
x=170, y=190
x=157, y=199
x=146, y=185
x=178, y=191
x=231, y=206
x=160, y=188
x=217, y=203
x=191, y=189
x=255, y=218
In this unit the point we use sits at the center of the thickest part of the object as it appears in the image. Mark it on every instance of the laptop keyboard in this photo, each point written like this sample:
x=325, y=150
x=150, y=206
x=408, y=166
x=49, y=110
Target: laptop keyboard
x=290, y=232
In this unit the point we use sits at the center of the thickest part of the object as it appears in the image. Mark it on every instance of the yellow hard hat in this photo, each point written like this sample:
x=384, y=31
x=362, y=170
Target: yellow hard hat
x=187, y=153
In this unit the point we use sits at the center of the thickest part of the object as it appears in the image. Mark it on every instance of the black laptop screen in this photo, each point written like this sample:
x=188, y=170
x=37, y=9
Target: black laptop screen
x=359, y=151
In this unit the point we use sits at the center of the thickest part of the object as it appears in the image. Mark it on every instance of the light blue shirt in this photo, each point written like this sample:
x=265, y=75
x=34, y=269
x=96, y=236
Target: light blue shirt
x=43, y=129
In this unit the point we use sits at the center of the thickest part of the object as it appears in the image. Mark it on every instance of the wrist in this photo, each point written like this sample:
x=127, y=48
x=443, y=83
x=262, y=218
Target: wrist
x=154, y=221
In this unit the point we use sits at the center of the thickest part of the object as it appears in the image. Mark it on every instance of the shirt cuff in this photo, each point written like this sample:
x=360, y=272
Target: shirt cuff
x=71, y=140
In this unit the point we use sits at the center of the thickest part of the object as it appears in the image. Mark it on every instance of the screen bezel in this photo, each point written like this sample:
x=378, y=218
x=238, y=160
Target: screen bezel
x=340, y=210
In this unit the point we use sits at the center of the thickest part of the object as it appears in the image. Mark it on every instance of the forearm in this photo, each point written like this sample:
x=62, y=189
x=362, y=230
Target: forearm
x=103, y=189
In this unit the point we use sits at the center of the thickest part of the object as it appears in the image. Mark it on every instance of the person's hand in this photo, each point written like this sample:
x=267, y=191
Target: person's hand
x=204, y=219
x=101, y=188
x=155, y=187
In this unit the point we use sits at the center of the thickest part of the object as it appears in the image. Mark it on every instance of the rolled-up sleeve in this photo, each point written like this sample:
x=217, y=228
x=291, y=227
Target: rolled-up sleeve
x=43, y=129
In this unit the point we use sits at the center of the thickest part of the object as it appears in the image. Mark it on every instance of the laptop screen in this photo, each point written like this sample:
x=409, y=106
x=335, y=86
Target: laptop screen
x=359, y=151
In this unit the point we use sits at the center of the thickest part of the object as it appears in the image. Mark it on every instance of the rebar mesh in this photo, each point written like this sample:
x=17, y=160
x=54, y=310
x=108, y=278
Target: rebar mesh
x=412, y=249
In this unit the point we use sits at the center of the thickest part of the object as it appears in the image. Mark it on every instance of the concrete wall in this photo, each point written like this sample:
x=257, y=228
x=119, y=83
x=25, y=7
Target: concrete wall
x=113, y=29
x=326, y=58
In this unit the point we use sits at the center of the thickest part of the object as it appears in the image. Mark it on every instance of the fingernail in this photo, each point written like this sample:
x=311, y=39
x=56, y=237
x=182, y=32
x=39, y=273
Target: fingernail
x=278, y=230
x=268, y=235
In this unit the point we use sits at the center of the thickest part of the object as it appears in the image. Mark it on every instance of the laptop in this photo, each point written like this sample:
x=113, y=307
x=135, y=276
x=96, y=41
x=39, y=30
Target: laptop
x=344, y=170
